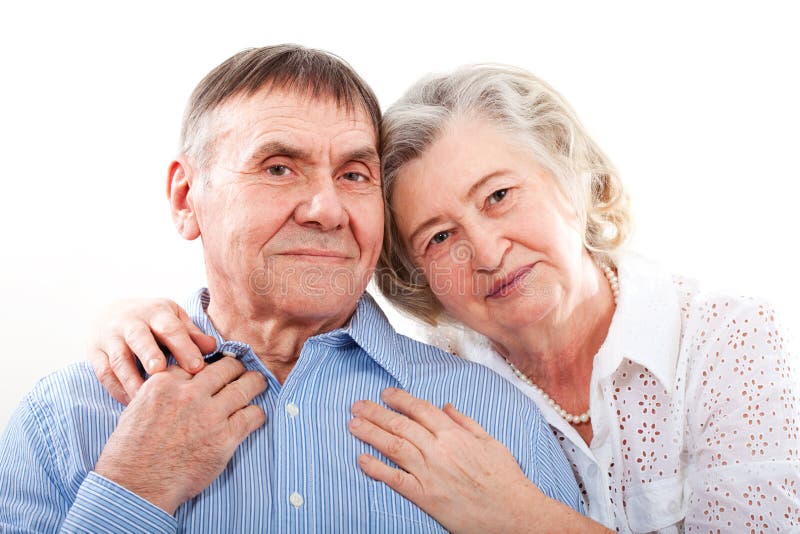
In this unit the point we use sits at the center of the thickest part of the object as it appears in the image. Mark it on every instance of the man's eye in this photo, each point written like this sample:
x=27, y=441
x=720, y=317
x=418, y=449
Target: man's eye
x=354, y=177
x=440, y=237
x=278, y=170
x=497, y=196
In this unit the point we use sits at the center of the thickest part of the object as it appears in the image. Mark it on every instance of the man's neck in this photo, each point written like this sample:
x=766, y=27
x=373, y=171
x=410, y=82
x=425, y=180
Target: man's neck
x=276, y=339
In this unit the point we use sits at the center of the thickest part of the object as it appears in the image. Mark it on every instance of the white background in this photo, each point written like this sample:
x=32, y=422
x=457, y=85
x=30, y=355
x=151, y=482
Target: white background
x=696, y=102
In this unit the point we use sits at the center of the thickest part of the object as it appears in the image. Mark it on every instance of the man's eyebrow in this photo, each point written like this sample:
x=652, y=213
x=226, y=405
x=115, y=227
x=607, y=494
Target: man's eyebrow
x=365, y=154
x=276, y=148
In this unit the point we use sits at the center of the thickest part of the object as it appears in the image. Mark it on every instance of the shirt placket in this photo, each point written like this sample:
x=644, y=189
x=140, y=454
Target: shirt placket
x=293, y=439
x=598, y=469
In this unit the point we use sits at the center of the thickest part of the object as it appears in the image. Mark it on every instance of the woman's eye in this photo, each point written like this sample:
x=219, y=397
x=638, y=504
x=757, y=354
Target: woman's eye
x=440, y=237
x=278, y=170
x=354, y=177
x=497, y=196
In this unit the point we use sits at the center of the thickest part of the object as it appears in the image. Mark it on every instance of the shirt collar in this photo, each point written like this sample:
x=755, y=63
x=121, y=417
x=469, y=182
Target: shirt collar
x=646, y=324
x=371, y=330
x=368, y=328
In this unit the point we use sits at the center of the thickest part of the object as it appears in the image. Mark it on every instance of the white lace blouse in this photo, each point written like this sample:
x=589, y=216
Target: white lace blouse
x=694, y=406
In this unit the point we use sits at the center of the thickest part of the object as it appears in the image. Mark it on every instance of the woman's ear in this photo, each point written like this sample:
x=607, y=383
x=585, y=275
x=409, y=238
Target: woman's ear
x=181, y=189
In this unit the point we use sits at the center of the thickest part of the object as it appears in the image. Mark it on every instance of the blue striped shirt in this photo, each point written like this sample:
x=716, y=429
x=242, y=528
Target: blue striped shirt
x=298, y=473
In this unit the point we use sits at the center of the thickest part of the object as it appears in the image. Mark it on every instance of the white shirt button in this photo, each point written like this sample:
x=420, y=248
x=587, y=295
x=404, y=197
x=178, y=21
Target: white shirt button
x=229, y=353
x=296, y=500
x=292, y=410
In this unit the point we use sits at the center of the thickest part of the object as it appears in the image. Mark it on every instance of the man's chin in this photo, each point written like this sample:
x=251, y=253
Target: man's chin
x=331, y=309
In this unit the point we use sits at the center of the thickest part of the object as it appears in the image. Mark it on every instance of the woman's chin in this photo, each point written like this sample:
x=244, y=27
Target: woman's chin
x=500, y=321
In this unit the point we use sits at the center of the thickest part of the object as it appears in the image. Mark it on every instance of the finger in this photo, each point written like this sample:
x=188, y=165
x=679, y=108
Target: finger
x=403, y=483
x=123, y=366
x=99, y=361
x=174, y=334
x=217, y=375
x=394, y=423
x=241, y=392
x=399, y=450
x=244, y=422
x=419, y=410
x=465, y=421
x=207, y=344
x=140, y=340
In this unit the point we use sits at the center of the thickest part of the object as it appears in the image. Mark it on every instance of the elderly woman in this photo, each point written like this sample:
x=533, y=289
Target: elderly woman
x=678, y=408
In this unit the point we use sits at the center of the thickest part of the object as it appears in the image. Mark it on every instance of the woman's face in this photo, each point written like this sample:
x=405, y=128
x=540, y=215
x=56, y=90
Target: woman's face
x=499, y=243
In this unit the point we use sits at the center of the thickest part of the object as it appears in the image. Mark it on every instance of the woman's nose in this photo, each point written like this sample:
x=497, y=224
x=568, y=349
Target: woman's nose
x=489, y=247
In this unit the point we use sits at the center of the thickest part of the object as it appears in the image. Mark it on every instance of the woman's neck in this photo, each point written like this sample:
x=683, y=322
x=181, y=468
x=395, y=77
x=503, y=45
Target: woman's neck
x=557, y=352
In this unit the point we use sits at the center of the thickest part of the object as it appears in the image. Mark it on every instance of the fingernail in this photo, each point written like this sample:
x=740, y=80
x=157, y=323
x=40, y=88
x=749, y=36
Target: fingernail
x=358, y=408
x=363, y=459
x=388, y=392
x=151, y=365
x=355, y=423
x=196, y=364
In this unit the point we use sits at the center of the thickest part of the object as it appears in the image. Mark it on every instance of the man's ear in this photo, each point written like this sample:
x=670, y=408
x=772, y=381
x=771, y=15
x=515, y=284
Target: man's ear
x=181, y=190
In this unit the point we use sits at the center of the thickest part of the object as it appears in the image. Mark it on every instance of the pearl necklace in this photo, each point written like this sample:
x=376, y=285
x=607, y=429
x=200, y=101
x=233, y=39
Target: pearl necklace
x=570, y=418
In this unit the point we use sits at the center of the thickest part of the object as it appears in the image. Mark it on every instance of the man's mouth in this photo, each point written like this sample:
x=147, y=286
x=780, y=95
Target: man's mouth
x=316, y=254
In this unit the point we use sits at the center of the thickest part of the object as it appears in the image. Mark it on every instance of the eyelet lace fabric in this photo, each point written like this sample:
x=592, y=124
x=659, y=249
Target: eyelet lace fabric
x=695, y=406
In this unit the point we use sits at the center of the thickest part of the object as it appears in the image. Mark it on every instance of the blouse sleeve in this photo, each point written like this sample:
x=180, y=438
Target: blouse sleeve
x=743, y=423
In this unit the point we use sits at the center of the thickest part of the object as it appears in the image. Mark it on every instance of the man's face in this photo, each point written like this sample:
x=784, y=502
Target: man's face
x=290, y=209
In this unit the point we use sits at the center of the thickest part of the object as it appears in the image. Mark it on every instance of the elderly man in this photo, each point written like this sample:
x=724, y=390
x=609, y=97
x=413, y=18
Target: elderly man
x=279, y=176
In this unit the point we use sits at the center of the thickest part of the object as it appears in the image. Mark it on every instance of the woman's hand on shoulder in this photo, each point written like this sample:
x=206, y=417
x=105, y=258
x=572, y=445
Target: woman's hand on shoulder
x=138, y=329
x=449, y=465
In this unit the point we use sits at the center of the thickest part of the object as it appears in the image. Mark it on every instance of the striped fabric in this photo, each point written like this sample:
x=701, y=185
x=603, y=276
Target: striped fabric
x=298, y=473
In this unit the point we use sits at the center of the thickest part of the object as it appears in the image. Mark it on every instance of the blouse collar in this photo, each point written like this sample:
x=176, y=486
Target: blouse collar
x=646, y=325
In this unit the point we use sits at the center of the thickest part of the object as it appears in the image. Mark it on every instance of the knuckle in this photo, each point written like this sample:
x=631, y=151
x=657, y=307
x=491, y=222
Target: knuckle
x=396, y=480
x=163, y=303
x=105, y=374
x=117, y=357
x=242, y=395
x=164, y=383
x=214, y=372
x=227, y=369
x=183, y=396
x=134, y=328
x=245, y=422
x=233, y=363
x=167, y=325
x=398, y=425
x=395, y=446
x=420, y=407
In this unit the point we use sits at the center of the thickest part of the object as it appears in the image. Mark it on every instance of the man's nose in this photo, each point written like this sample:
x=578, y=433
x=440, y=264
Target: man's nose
x=322, y=208
x=489, y=248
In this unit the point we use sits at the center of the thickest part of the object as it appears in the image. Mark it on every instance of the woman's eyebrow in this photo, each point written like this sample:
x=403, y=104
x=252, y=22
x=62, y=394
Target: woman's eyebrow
x=477, y=185
x=437, y=219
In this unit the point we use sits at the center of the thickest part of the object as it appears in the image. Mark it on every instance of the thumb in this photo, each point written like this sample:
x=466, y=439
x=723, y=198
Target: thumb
x=207, y=344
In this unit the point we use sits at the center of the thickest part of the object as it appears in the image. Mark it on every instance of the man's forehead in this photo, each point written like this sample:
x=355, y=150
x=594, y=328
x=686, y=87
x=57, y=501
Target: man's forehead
x=285, y=107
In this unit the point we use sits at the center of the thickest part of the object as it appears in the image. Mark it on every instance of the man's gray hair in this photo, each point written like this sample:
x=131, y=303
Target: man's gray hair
x=532, y=113
x=316, y=73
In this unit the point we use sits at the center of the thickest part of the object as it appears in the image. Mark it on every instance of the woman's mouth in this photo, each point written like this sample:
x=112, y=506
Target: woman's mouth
x=508, y=284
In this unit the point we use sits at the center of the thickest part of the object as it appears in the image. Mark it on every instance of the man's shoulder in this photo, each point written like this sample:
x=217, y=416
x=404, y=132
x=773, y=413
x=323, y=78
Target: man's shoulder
x=71, y=401
x=440, y=371
x=68, y=384
x=425, y=358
